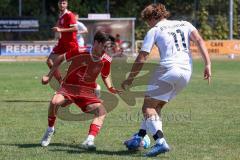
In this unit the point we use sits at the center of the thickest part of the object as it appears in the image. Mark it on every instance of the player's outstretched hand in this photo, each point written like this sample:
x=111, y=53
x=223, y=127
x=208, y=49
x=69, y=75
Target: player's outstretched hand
x=126, y=83
x=56, y=29
x=114, y=90
x=45, y=80
x=207, y=73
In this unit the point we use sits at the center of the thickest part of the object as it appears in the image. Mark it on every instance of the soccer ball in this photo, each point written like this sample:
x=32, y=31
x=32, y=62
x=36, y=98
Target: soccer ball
x=146, y=142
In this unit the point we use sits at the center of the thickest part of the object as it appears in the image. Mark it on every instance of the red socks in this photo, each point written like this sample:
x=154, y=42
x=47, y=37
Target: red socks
x=51, y=121
x=94, y=130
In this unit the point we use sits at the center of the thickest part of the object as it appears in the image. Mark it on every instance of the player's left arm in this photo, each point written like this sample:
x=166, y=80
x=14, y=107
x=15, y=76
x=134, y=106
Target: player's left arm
x=108, y=83
x=46, y=79
x=106, y=77
x=196, y=37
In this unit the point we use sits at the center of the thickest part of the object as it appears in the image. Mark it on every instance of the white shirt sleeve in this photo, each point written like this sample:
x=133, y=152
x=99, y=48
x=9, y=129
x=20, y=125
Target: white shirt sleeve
x=190, y=27
x=81, y=26
x=149, y=40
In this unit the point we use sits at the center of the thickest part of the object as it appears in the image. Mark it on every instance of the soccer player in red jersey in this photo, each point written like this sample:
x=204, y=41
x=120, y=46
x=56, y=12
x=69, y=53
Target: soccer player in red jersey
x=67, y=27
x=79, y=84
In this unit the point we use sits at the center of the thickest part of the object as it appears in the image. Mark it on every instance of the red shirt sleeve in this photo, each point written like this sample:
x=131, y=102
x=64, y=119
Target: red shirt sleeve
x=106, y=69
x=72, y=20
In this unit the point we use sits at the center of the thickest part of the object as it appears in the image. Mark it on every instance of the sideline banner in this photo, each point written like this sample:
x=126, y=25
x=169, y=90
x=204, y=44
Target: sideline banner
x=220, y=47
x=19, y=25
x=26, y=48
x=215, y=47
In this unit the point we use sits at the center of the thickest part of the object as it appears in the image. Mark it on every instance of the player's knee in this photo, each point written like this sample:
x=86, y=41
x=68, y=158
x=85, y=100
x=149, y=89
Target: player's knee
x=101, y=111
x=49, y=62
x=148, y=111
x=144, y=109
x=56, y=101
x=53, y=103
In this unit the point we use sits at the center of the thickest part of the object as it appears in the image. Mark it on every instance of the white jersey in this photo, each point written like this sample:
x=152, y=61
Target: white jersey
x=173, y=41
x=80, y=39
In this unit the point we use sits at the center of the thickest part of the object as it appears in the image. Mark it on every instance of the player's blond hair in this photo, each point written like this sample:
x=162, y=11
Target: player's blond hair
x=155, y=11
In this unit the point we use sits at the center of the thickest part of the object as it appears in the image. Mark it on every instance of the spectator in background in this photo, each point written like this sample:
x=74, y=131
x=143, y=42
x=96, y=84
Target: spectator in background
x=118, y=49
x=82, y=29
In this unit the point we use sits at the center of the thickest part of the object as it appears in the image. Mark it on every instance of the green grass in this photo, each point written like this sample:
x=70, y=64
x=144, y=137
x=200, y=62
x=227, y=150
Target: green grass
x=202, y=123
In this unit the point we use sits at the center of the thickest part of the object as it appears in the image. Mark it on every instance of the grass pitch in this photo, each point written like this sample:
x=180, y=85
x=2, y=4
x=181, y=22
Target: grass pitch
x=202, y=123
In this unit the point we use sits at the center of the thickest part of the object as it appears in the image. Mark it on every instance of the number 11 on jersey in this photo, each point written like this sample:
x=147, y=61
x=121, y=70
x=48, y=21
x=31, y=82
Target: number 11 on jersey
x=176, y=41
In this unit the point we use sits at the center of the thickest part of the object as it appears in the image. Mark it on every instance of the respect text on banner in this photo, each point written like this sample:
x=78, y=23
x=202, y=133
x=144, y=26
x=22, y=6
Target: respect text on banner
x=27, y=48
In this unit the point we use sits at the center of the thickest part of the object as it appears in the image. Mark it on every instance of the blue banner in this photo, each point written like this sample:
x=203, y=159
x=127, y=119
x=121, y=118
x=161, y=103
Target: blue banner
x=19, y=25
x=36, y=48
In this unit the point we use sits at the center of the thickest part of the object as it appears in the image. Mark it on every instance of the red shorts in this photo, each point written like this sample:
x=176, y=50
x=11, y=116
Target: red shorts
x=63, y=47
x=81, y=97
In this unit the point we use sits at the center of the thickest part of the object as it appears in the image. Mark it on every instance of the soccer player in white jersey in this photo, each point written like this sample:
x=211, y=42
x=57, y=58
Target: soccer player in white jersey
x=172, y=75
x=82, y=29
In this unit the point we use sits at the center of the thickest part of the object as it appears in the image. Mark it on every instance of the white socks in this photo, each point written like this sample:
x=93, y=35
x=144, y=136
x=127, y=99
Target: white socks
x=154, y=123
x=143, y=125
x=51, y=129
x=90, y=138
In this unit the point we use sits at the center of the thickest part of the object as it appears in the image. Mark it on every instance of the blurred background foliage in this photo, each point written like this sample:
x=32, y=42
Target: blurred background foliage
x=211, y=17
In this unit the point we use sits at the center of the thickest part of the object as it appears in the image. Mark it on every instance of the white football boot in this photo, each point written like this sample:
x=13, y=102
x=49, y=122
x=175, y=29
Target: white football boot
x=47, y=138
x=88, y=145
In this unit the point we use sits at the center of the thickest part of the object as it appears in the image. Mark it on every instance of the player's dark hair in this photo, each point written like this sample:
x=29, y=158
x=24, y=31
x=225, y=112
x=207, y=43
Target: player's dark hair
x=62, y=0
x=155, y=11
x=102, y=37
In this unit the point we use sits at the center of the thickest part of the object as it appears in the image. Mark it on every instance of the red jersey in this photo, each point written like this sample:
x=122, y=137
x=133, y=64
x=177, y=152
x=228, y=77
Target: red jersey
x=118, y=41
x=84, y=70
x=67, y=20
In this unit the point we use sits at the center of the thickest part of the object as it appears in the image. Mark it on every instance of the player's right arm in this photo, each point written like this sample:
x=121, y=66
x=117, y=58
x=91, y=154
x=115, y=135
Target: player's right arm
x=70, y=29
x=136, y=68
x=57, y=24
x=72, y=25
x=196, y=37
x=149, y=41
x=108, y=83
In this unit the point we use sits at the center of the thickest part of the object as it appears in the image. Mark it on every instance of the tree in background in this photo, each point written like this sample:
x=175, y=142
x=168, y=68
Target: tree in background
x=205, y=29
x=211, y=20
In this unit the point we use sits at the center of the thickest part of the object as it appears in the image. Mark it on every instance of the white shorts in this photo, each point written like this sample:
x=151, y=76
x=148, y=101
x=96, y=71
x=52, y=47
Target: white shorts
x=165, y=84
x=81, y=42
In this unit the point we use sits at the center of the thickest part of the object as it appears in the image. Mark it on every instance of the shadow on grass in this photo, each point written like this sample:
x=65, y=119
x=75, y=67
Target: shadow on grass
x=75, y=149
x=38, y=145
x=23, y=101
x=100, y=152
